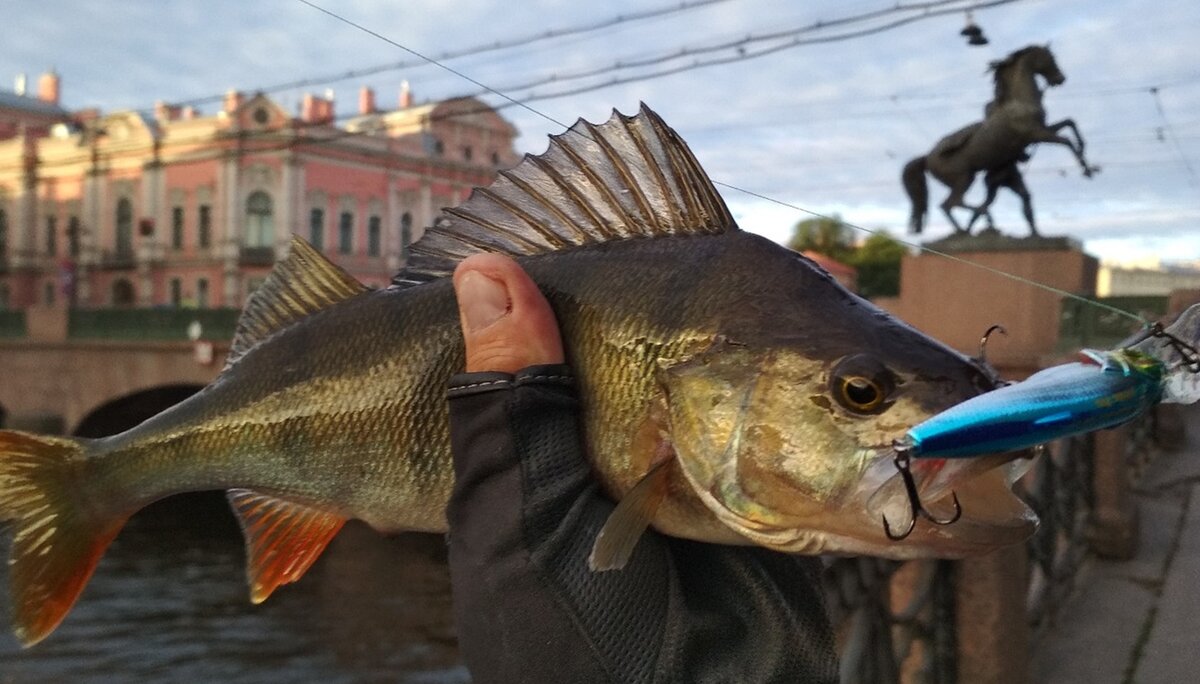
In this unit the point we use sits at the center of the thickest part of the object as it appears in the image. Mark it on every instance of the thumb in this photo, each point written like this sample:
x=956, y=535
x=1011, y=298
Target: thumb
x=507, y=323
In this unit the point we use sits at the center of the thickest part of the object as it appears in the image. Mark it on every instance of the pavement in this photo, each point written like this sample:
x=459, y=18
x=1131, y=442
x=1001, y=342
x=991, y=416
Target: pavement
x=1138, y=621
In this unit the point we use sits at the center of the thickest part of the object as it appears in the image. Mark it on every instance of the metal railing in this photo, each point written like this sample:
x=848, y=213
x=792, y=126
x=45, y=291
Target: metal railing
x=164, y=324
x=12, y=324
x=256, y=256
x=896, y=621
x=118, y=259
x=1060, y=489
x=1082, y=325
x=885, y=644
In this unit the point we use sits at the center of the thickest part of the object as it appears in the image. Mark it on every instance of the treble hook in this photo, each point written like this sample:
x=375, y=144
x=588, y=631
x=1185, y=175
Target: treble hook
x=903, y=461
x=1189, y=354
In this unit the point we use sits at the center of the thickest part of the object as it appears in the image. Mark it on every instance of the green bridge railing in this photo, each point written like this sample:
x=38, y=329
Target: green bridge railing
x=1082, y=326
x=12, y=324
x=151, y=324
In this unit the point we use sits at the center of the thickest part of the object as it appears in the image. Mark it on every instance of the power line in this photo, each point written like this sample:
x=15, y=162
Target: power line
x=952, y=257
x=1187, y=164
x=522, y=41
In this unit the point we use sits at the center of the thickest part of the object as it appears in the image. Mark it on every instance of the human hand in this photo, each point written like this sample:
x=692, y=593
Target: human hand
x=526, y=510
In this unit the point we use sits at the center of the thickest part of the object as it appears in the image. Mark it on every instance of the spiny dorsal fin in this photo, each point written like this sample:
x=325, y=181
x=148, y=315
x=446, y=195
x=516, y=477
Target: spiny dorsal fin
x=283, y=539
x=300, y=284
x=630, y=177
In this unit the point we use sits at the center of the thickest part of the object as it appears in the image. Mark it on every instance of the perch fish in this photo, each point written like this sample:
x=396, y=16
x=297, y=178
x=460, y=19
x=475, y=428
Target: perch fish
x=732, y=391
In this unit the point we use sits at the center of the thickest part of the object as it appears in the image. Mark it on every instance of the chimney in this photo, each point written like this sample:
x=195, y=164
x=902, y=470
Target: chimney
x=164, y=112
x=316, y=110
x=188, y=113
x=406, y=98
x=49, y=87
x=366, y=101
x=19, y=85
x=233, y=101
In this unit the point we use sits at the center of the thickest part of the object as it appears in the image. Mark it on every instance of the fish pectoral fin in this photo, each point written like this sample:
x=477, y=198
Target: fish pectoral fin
x=629, y=520
x=283, y=538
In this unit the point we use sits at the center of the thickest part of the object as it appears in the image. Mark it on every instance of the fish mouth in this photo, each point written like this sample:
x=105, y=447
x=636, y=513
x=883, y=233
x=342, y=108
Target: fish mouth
x=993, y=515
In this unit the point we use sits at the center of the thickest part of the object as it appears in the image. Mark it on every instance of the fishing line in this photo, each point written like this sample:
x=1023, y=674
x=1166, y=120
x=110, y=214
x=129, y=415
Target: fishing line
x=547, y=117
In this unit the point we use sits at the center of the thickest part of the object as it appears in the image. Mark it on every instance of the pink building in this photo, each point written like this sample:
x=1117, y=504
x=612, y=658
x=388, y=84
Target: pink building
x=179, y=209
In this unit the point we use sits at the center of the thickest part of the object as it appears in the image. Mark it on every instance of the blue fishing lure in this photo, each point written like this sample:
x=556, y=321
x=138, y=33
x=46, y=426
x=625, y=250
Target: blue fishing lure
x=1104, y=389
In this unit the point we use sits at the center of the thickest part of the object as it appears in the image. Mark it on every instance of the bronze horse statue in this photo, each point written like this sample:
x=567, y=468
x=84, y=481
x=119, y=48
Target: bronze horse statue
x=1015, y=119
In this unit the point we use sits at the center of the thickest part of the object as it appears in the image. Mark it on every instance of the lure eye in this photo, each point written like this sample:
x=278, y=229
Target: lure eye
x=861, y=384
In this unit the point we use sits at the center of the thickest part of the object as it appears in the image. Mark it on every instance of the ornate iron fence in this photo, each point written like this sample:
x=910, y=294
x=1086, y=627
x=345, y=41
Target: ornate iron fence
x=896, y=621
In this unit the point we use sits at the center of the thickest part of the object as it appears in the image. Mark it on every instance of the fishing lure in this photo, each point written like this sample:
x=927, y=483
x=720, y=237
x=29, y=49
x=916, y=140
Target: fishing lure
x=1103, y=389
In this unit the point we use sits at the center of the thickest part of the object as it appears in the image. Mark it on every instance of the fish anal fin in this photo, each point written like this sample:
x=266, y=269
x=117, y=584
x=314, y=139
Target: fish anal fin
x=283, y=538
x=625, y=525
x=300, y=284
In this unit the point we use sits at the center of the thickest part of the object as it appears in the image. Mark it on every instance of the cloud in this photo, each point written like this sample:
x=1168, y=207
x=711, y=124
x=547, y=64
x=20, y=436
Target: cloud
x=826, y=127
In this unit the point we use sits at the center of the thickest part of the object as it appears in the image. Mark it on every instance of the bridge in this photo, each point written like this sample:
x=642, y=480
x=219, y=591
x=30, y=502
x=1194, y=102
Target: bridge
x=95, y=372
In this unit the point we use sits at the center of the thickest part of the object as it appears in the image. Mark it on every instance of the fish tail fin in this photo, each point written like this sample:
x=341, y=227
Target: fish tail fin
x=57, y=537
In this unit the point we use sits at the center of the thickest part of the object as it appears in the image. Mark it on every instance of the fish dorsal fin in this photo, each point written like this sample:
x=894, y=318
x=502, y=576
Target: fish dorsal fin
x=301, y=283
x=630, y=177
x=283, y=539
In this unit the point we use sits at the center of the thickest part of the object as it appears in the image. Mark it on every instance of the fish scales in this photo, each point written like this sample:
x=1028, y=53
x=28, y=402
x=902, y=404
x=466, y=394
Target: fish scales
x=736, y=376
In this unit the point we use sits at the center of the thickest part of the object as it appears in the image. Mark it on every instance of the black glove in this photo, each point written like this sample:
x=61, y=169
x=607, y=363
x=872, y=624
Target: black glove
x=523, y=516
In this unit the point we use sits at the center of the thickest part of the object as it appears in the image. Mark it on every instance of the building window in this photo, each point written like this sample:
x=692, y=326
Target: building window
x=48, y=294
x=260, y=230
x=204, y=227
x=345, y=232
x=73, y=235
x=122, y=293
x=373, y=236
x=202, y=293
x=405, y=234
x=495, y=159
x=124, y=226
x=51, y=235
x=176, y=291
x=176, y=227
x=316, y=228
x=468, y=153
x=439, y=148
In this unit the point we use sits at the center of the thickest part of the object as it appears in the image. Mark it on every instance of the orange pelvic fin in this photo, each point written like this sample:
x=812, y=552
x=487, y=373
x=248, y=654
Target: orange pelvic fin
x=283, y=539
x=57, y=541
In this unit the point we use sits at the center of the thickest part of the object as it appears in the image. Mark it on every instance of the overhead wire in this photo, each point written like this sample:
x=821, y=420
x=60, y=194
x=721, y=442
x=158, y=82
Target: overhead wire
x=1033, y=283
x=1187, y=164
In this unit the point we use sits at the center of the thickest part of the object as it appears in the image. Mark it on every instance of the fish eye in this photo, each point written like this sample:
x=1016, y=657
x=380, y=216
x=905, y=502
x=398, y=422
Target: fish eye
x=861, y=384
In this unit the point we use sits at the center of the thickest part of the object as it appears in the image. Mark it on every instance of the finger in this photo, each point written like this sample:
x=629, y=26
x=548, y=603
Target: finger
x=507, y=323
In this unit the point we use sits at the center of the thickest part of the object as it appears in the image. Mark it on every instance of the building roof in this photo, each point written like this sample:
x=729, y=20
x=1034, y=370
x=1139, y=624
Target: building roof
x=835, y=268
x=11, y=100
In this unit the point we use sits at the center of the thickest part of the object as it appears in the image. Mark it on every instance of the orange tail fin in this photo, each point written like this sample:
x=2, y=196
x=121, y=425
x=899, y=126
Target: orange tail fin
x=57, y=541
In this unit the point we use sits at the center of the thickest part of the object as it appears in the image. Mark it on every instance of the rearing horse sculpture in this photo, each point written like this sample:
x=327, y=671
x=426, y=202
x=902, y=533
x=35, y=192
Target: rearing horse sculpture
x=1016, y=120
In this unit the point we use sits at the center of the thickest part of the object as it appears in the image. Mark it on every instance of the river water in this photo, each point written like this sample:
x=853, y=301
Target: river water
x=169, y=603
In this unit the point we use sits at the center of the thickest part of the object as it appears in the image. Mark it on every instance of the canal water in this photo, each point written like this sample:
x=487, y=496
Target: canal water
x=169, y=603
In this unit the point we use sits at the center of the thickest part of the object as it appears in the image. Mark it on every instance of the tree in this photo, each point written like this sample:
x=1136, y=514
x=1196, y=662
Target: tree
x=878, y=264
x=824, y=235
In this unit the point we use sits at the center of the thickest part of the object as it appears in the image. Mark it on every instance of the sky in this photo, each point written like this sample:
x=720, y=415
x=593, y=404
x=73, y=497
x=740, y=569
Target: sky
x=825, y=125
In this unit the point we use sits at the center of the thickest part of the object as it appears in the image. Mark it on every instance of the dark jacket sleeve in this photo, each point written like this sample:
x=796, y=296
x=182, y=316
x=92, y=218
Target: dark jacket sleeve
x=523, y=516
